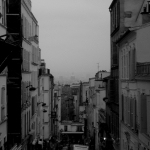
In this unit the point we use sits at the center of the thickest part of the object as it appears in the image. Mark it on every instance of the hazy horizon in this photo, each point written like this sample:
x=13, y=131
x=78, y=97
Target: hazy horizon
x=74, y=35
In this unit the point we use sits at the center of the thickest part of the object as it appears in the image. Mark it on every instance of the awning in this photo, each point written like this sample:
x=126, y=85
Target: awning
x=72, y=132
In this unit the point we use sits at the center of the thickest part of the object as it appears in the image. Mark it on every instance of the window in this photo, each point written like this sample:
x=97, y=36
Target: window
x=25, y=124
x=26, y=60
x=115, y=16
x=122, y=108
x=1, y=145
x=29, y=120
x=115, y=54
x=33, y=106
x=131, y=112
x=79, y=128
x=128, y=63
x=2, y=103
x=143, y=101
x=3, y=13
x=65, y=128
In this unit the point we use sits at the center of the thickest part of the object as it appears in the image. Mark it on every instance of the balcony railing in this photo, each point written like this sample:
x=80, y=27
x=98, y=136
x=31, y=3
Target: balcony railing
x=143, y=68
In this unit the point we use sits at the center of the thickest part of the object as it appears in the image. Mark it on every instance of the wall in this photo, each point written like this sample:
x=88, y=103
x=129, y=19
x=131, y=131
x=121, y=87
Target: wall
x=134, y=7
x=46, y=83
x=3, y=125
x=143, y=44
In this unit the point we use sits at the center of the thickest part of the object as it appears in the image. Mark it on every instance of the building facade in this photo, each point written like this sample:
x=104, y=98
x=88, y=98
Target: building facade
x=134, y=83
x=3, y=83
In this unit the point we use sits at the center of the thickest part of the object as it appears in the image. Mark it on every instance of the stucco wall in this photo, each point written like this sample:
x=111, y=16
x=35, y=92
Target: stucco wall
x=46, y=83
x=143, y=44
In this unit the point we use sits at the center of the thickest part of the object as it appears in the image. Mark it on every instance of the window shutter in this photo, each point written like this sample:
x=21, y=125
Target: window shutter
x=132, y=63
x=125, y=109
x=148, y=115
x=128, y=101
x=134, y=113
x=23, y=60
x=27, y=29
x=27, y=61
x=143, y=114
x=21, y=93
x=24, y=27
x=139, y=107
x=131, y=112
x=122, y=107
x=32, y=78
x=34, y=55
x=28, y=91
x=25, y=92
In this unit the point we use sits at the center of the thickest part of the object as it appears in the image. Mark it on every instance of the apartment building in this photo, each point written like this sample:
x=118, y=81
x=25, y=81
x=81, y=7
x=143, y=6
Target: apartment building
x=123, y=15
x=3, y=83
x=100, y=107
x=134, y=83
x=116, y=25
x=30, y=66
x=57, y=99
x=3, y=109
x=21, y=30
x=134, y=80
x=44, y=102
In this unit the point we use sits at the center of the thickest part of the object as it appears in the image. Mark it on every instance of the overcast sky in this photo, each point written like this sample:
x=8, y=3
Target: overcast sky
x=74, y=35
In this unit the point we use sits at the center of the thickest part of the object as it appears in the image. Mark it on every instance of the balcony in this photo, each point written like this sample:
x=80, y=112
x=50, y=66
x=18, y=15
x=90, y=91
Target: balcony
x=143, y=70
x=34, y=39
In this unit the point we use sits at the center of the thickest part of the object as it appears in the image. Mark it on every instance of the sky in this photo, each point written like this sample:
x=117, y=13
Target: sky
x=74, y=35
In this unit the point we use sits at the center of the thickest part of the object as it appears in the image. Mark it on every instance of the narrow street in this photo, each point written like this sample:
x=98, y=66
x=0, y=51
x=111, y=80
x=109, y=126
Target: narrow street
x=75, y=75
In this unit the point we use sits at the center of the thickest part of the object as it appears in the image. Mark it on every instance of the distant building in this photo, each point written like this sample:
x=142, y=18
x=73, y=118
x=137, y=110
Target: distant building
x=72, y=79
x=44, y=102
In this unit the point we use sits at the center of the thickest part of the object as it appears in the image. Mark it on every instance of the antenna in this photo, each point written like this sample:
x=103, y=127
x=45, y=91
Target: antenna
x=98, y=66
